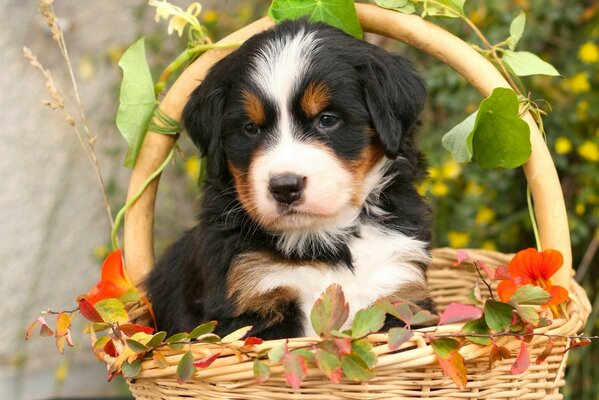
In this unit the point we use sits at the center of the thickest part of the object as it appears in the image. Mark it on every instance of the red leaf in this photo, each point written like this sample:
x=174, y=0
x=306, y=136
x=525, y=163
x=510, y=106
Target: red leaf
x=30, y=329
x=543, y=356
x=295, y=369
x=461, y=256
x=580, y=343
x=251, y=341
x=87, y=310
x=490, y=271
x=456, y=312
x=132, y=329
x=343, y=345
x=206, y=361
x=522, y=361
x=110, y=349
x=398, y=336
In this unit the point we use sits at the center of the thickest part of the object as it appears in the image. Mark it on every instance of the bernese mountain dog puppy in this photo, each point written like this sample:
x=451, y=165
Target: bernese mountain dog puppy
x=311, y=165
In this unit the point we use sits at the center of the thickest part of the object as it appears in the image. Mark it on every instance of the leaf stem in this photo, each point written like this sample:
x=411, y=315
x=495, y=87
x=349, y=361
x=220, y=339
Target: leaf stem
x=149, y=179
x=533, y=219
x=483, y=279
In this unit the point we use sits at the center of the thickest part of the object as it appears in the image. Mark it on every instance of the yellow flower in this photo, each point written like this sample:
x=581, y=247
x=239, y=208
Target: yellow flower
x=433, y=172
x=588, y=53
x=423, y=188
x=581, y=110
x=474, y=189
x=563, y=145
x=210, y=16
x=578, y=83
x=192, y=167
x=489, y=245
x=179, y=18
x=589, y=151
x=458, y=240
x=484, y=216
x=451, y=170
x=580, y=209
x=439, y=189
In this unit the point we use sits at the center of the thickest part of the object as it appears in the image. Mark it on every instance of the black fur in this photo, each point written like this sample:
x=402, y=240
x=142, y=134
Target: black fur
x=371, y=90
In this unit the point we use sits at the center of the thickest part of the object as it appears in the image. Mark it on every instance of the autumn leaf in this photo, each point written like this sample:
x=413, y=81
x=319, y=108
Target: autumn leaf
x=88, y=311
x=159, y=360
x=399, y=310
x=579, y=343
x=355, y=368
x=112, y=311
x=497, y=353
x=424, y=318
x=45, y=330
x=261, y=371
x=206, y=361
x=277, y=352
x=522, y=361
x=236, y=335
x=185, y=368
x=461, y=256
x=110, y=349
x=398, y=336
x=548, y=349
x=343, y=345
x=252, y=341
x=132, y=329
x=363, y=348
x=330, y=365
x=456, y=312
x=295, y=370
x=330, y=311
x=450, y=359
x=30, y=329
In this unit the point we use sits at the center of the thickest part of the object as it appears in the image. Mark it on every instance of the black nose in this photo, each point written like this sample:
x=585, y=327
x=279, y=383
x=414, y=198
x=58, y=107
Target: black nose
x=287, y=188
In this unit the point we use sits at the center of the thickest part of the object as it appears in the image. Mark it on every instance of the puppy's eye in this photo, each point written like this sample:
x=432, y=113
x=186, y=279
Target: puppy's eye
x=251, y=129
x=328, y=121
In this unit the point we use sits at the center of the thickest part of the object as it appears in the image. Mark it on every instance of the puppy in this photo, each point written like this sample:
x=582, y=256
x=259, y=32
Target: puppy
x=311, y=161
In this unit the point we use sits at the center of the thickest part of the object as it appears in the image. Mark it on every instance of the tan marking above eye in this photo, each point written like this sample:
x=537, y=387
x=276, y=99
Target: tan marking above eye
x=315, y=99
x=254, y=107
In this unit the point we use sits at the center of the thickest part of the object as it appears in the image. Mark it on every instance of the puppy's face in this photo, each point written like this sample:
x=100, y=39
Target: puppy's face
x=303, y=119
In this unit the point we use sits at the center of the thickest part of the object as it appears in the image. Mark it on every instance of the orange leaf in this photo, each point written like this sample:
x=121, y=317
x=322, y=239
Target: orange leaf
x=30, y=329
x=545, y=352
x=63, y=324
x=455, y=368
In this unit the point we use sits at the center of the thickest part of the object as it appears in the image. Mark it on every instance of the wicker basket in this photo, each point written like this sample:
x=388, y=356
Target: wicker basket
x=412, y=372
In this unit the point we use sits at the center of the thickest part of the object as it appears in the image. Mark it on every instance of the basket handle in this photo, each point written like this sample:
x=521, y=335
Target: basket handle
x=540, y=171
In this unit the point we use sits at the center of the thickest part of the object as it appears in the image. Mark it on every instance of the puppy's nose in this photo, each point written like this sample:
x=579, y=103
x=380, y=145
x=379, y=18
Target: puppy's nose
x=287, y=188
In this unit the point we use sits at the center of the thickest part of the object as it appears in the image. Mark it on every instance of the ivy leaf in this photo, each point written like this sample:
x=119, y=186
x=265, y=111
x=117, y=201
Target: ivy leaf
x=522, y=361
x=132, y=329
x=478, y=326
x=112, y=311
x=261, y=371
x=498, y=315
x=136, y=100
x=524, y=63
x=355, y=368
x=452, y=9
x=295, y=370
x=330, y=365
x=450, y=359
x=546, y=353
x=206, y=361
x=203, y=329
x=456, y=312
x=338, y=13
x=530, y=294
x=398, y=336
x=425, y=318
x=516, y=30
x=403, y=6
x=236, y=335
x=131, y=369
x=368, y=320
x=159, y=360
x=330, y=311
x=458, y=141
x=185, y=368
x=501, y=137
x=88, y=311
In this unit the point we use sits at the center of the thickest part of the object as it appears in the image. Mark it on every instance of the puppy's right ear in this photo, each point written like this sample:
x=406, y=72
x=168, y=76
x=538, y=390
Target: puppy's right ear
x=202, y=119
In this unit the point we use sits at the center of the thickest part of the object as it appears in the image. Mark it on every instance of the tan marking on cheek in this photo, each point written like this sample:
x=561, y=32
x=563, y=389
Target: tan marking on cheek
x=244, y=275
x=254, y=108
x=315, y=99
x=245, y=192
x=360, y=168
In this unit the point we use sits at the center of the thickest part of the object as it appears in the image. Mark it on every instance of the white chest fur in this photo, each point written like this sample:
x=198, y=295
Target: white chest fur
x=383, y=260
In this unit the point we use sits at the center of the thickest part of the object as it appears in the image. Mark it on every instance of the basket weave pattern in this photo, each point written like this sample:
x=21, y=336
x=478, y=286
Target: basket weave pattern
x=410, y=373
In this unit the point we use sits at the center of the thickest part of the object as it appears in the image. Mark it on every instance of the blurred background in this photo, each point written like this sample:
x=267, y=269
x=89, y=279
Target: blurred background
x=55, y=232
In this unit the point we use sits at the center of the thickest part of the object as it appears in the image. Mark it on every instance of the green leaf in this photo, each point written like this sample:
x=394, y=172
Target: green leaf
x=458, y=141
x=516, y=30
x=338, y=13
x=530, y=294
x=236, y=335
x=403, y=6
x=185, y=368
x=294, y=369
x=330, y=365
x=401, y=311
x=276, y=353
x=398, y=336
x=498, y=315
x=449, y=8
x=261, y=371
x=368, y=320
x=330, y=311
x=524, y=63
x=131, y=369
x=112, y=311
x=501, y=137
x=443, y=347
x=478, y=326
x=156, y=339
x=529, y=314
x=203, y=329
x=129, y=296
x=355, y=368
x=136, y=100
x=363, y=348
x=305, y=353
x=424, y=318
x=137, y=347
x=177, y=337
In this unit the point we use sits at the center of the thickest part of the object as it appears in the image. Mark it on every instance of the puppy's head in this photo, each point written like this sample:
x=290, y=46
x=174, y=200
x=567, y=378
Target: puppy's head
x=305, y=119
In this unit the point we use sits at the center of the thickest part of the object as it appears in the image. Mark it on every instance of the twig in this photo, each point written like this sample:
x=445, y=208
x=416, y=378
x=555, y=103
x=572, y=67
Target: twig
x=483, y=279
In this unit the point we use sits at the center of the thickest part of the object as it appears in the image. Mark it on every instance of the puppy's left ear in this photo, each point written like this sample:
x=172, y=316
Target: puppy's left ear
x=395, y=95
